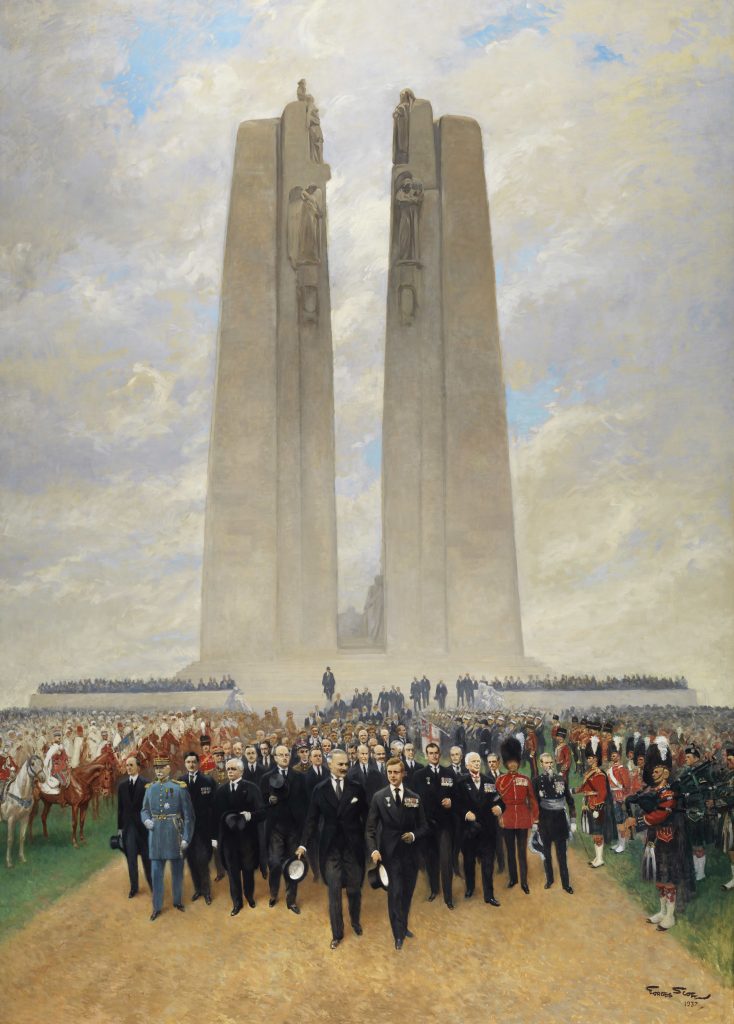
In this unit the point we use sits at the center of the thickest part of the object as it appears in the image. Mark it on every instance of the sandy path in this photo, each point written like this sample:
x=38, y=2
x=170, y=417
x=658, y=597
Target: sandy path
x=95, y=957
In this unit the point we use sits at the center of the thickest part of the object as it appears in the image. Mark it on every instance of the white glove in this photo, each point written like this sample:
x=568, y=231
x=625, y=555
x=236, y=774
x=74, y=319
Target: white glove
x=246, y=815
x=119, y=833
x=215, y=844
x=184, y=845
x=535, y=827
x=573, y=826
x=149, y=823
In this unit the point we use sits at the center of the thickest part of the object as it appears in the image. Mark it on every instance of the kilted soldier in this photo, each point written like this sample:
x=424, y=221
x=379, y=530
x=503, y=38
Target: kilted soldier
x=521, y=810
x=597, y=817
x=554, y=798
x=479, y=806
x=619, y=784
x=666, y=860
x=169, y=817
x=700, y=830
x=725, y=804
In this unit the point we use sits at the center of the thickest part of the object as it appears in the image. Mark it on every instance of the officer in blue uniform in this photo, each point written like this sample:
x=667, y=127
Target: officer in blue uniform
x=168, y=815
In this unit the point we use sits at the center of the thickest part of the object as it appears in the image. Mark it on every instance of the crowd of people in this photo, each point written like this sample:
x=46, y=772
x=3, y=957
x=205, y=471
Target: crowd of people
x=455, y=793
x=135, y=685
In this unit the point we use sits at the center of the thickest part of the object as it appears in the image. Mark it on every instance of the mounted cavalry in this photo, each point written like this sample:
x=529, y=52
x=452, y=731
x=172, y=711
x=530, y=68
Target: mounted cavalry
x=16, y=803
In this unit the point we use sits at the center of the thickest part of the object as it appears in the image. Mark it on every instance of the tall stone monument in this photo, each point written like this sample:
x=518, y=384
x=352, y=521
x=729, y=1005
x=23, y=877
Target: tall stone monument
x=270, y=571
x=449, y=562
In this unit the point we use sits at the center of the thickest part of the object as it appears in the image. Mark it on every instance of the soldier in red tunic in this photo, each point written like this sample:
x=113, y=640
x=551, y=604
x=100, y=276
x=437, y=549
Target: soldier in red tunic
x=207, y=764
x=619, y=784
x=563, y=752
x=521, y=811
x=595, y=789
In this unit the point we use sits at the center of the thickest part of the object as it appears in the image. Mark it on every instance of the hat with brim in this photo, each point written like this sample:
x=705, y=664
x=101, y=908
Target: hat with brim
x=295, y=869
x=235, y=822
x=276, y=780
x=378, y=877
x=116, y=843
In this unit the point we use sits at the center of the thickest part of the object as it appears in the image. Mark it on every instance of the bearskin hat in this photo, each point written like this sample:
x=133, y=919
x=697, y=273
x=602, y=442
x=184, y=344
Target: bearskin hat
x=511, y=750
x=657, y=753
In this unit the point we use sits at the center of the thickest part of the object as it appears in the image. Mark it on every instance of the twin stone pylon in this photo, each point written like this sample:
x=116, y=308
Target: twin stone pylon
x=270, y=555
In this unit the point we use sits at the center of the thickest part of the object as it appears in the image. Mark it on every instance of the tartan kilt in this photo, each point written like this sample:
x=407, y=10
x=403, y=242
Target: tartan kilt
x=591, y=825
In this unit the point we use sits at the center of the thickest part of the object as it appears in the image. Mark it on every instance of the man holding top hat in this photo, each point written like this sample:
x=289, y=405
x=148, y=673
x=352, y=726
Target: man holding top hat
x=169, y=817
x=286, y=801
x=238, y=807
x=400, y=813
x=336, y=815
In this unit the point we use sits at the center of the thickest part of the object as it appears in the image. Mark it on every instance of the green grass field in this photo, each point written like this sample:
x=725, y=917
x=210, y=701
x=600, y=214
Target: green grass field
x=706, y=929
x=53, y=867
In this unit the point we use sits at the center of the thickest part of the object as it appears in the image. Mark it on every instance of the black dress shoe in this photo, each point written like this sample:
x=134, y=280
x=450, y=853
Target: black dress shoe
x=398, y=943
x=568, y=889
x=155, y=914
x=357, y=928
x=468, y=894
x=208, y=900
x=272, y=901
x=511, y=885
x=334, y=943
x=409, y=934
x=195, y=897
x=179, y=906
x=492, y=901
x=235, y=910
x=525, y=888
x=548, y=885
x=251, y=903
x=133, y=892
x=294, y=908
x=449, y=904
x=432, y=897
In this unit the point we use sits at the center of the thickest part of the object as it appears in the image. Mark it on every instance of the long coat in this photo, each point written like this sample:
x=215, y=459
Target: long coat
x=336, y=821
x=168, y=806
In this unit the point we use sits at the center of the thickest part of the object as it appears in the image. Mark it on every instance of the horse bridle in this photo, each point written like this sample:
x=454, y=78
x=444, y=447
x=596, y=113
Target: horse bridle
x=25, y=804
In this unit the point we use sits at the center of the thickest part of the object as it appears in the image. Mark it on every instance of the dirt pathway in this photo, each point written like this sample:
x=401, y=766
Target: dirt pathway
x=95, y=957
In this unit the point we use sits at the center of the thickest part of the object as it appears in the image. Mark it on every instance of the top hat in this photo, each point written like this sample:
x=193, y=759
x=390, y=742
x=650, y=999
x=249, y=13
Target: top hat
x=116, y=843
x=235, y=822
x=378, y=876
x=295, y=869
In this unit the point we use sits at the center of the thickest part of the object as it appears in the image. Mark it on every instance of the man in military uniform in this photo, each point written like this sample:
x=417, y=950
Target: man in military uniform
x=554, y=796
x=169, y=817
x=521, y=810
x=598, y=813
x=725, y=805
x=563, y=752
x=206, y=761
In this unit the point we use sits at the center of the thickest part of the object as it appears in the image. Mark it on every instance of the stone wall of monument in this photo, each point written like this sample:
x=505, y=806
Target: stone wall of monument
x=450, y=573
x=270, y=574
x=174, y=700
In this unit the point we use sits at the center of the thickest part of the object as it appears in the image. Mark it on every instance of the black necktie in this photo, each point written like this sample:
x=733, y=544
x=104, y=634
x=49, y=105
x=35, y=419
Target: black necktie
x=398, y=801
x=339, y=788
x=132, y=783
x=191, y=779
x=232, y=786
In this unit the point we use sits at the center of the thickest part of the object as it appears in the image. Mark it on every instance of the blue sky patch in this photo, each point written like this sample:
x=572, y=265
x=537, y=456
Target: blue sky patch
x=603, y=55
x=531, y=15
x=528, y=410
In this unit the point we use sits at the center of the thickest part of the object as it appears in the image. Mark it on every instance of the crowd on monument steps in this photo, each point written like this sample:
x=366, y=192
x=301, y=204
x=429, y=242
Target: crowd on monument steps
x=375, y=784
x=135, y=685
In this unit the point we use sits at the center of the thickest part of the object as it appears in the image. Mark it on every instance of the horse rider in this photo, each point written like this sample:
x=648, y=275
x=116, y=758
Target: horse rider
x=55, y=765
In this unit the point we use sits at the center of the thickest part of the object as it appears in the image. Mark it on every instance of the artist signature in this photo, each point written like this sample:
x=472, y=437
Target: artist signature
x=689, y=997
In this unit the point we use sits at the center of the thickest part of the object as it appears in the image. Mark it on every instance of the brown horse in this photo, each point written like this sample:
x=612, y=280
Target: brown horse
x=83, y=783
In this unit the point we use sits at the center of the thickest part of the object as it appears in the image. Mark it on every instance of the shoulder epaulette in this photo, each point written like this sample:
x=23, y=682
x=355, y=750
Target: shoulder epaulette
x=178, y=782
x=148, y=784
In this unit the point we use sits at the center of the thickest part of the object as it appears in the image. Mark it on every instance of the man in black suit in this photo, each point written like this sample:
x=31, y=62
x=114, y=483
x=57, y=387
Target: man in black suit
x=201, y=790
x=286, y=799
x=130, y=829
x=411, y=765
x=317, y=771
x=238, y=807
x=336, y=814
x=361, y=769
x=253, y=769
x=399, y=811
x=435, y=785
x=479, y=806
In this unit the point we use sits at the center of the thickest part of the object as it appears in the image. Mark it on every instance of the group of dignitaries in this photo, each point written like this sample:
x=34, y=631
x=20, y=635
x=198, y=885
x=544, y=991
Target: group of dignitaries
x=284, y=810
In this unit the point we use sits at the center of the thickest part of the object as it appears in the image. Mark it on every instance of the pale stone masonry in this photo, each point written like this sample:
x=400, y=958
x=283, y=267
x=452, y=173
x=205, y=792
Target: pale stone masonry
x=270, y=574
x=449, y=561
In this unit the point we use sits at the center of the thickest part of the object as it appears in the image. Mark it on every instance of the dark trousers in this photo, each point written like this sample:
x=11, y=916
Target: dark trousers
x=136, y=845
x=197, y=858
x=403, y=872
x=342, y=870
x=439, y=862
x=554, y=832
x=282, y=844
x=240, y=877
x=481, y=849
x=517, y=837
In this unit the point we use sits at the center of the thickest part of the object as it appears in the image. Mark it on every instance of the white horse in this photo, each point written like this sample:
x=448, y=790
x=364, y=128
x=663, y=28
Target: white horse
x=17, y=803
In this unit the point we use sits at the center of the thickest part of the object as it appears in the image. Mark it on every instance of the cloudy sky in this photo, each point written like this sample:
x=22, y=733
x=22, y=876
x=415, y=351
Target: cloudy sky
x=607, y=131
